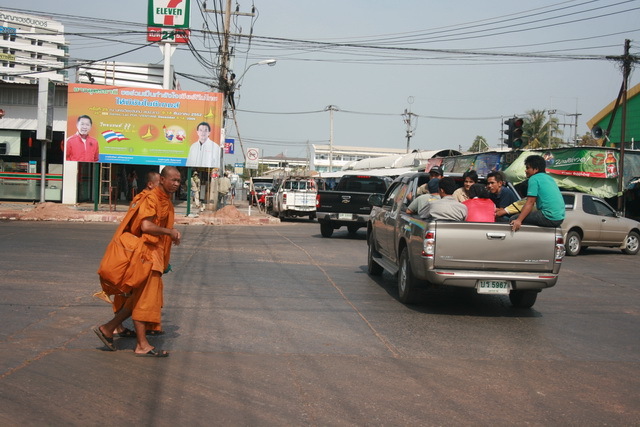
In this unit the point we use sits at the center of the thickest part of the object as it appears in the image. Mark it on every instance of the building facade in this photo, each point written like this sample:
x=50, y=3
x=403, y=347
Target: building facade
x=327, y=158
x=32, y=47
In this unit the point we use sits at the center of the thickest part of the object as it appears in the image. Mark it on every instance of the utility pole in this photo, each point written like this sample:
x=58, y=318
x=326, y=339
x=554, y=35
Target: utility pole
x=407, y=115
x=549, y=130
x=626, y=59
x=331, y=109
x=626, y=71
x=407, y=120
x=223, y=86
x=575, y=127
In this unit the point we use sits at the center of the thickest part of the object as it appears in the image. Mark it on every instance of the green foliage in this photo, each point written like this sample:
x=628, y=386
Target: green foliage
x=540, y=131
x=479, y=144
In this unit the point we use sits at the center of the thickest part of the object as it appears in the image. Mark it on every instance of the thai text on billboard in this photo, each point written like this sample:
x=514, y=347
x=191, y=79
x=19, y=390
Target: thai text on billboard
x=111, y=124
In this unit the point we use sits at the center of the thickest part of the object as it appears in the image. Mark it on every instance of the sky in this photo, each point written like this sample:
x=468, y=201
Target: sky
x=461, y=67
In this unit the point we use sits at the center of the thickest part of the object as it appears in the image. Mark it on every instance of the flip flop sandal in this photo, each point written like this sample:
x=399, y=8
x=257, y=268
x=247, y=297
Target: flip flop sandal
x=153, y=353
x=154, y=333
x=105, y=339
x=127, y=333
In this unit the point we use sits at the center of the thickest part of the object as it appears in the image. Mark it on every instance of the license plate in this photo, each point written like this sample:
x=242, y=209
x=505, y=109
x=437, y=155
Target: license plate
x=493, y=287
x=345, y=216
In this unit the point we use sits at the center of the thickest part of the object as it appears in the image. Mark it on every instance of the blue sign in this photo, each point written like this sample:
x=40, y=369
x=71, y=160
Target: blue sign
x=229, y=144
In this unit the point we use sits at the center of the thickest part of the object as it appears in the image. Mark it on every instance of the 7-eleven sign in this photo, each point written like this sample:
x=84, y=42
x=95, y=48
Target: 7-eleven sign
x=169, y=13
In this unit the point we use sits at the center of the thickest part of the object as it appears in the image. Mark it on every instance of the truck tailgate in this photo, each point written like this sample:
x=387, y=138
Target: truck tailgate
x=303, y=198
x=344, y=202
x=493, y=246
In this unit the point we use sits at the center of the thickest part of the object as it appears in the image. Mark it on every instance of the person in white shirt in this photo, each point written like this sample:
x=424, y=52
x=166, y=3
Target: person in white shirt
x=204, y=153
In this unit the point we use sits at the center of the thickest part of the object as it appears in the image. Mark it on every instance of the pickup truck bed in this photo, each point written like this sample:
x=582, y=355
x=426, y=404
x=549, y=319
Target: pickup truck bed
x=487, y=256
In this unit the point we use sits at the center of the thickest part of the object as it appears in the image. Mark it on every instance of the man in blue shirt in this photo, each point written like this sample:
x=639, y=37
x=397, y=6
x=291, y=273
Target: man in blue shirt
x=543, y=192
x=501, y=195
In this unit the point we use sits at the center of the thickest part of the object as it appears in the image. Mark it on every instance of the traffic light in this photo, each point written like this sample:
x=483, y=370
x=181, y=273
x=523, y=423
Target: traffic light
x=514, y=133
x=509, y=132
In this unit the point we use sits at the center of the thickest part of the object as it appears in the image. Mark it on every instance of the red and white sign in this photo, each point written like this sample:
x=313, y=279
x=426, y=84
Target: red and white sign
x=168, y=35
x=252, y=158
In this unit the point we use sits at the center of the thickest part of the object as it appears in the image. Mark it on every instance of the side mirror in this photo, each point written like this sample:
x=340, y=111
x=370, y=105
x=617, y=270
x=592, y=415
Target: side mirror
x=376, y=199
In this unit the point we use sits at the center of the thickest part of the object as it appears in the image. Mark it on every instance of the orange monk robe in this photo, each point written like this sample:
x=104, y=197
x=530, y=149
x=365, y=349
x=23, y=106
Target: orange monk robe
x=147, y=300
x=119, y=299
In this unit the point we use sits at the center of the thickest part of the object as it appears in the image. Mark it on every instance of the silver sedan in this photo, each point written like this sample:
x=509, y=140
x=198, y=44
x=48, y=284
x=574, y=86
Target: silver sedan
x=590, y=221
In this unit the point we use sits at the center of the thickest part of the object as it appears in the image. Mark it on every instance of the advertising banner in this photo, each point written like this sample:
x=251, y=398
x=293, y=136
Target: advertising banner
x=583, y=162
x=110, y=124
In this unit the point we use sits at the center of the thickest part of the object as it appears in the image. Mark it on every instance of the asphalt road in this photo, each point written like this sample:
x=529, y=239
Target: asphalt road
x=275, y=325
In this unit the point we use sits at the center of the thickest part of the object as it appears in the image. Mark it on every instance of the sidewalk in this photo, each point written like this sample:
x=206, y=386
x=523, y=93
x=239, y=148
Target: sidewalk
x=239, y=213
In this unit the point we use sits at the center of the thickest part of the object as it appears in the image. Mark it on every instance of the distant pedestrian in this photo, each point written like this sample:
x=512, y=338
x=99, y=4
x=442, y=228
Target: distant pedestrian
x=224, y=185
x=195, y=189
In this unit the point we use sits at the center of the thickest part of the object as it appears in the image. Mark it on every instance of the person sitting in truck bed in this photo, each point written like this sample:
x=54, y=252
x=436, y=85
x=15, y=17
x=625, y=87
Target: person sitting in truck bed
x=446, y=207
x=468, y=179
x=542, y=192
x=501, y=195
x=480, y=207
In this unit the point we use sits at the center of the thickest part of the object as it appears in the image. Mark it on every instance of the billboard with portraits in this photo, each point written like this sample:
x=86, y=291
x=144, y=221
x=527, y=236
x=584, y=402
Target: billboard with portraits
x=111, y=124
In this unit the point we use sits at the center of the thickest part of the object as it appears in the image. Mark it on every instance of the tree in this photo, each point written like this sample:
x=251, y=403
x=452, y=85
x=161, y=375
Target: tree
x=588, y=140
x=479, y=144
x=539, y=131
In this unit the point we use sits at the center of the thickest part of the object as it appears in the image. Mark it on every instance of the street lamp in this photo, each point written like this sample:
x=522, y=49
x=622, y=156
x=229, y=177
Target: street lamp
x=269, y=62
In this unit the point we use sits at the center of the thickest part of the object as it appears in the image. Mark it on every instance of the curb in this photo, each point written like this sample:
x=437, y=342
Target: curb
x=116, y=217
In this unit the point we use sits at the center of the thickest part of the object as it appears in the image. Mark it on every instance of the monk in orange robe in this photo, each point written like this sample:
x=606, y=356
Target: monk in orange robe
x=153, y=180
x=152, y=222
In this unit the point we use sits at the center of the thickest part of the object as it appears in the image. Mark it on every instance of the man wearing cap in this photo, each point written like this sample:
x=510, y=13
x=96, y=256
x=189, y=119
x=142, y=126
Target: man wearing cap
x=432, y=186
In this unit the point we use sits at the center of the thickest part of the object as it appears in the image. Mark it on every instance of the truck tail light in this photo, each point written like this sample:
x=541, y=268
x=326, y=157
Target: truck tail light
x=317, y=201
x=429, y=244
x=560, y=249
x=284, y=198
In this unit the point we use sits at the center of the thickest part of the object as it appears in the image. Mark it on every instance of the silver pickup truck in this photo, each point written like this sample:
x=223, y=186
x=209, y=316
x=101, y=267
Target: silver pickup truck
x=486, y=256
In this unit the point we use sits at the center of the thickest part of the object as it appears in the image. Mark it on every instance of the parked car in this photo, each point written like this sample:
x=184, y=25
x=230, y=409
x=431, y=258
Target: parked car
x=590, y=221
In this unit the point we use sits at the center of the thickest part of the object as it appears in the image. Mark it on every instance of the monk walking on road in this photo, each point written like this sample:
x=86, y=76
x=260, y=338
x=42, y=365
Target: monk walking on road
x=152, y=222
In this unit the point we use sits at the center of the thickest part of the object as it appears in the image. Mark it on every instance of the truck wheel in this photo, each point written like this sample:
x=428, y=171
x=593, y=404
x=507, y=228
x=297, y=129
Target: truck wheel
x=523, y=299
x=632, y=243
x=373, y=267
x=573, y=243
x=326, y=229
x=406, y=280
x=352, y=229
